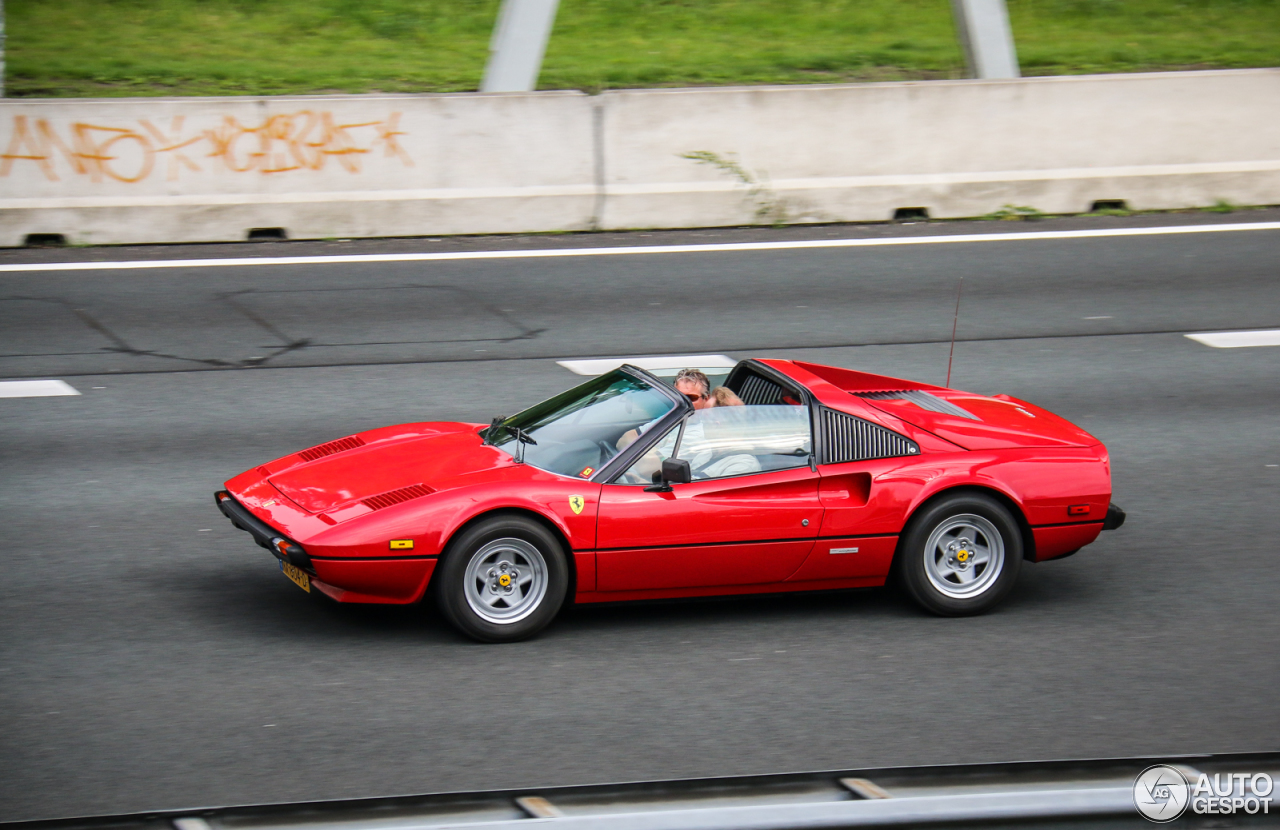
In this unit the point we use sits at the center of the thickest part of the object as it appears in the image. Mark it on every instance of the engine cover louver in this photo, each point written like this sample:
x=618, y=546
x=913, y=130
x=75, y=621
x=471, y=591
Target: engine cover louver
x=921, y=399
x=330, y=448
x=846, y=438
x=387, y=499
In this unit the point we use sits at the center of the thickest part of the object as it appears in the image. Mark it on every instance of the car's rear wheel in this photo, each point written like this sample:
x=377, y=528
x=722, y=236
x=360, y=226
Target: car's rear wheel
x=960, y=555
x=502, y=579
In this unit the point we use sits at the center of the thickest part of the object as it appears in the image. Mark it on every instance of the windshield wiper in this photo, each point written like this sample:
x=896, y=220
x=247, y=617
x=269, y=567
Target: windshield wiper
x=491, y=433
x=522, y=438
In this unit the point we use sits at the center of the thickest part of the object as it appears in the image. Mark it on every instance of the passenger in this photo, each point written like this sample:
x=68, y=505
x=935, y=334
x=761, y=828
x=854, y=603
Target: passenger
x=695, y=386
x=724, y=396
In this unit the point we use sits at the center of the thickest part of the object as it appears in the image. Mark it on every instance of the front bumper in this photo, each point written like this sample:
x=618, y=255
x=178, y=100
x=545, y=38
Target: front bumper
x=392, y=580
x=281, y=546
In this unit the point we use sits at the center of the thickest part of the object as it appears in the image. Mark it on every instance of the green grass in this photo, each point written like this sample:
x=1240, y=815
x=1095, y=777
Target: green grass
x=62, y=48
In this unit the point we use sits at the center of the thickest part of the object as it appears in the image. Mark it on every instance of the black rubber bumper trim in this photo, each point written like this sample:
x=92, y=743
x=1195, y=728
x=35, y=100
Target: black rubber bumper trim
x=261, y=532
x=1115, y=517
x=1066, y=524
x=372, y=558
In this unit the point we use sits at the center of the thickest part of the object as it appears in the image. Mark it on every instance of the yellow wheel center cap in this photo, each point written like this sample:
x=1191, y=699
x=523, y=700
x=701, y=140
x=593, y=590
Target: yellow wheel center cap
x=504, y=580
x=963, y=556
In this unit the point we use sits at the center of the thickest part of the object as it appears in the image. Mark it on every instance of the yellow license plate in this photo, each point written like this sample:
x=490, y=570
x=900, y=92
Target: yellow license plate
x=296, y=574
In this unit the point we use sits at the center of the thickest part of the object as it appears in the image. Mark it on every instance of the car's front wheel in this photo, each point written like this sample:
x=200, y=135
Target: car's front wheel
x=960, y=554
x=502, y=579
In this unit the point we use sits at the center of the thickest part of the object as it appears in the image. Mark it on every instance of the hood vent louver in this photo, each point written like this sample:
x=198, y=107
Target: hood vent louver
x=921, y=399
x=341, y=445
x=392, y=497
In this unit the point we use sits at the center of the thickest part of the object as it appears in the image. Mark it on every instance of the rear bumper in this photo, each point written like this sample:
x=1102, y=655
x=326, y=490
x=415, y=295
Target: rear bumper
x=280, y=546
x=1115, y=517
x=1060, y=541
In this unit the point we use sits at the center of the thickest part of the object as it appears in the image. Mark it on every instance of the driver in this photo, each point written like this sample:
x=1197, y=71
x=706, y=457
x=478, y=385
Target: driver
x=691, y=383
x=695, y=386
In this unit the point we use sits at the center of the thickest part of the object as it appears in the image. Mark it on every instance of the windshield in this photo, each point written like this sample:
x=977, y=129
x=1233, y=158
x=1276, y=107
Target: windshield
x=579, y=431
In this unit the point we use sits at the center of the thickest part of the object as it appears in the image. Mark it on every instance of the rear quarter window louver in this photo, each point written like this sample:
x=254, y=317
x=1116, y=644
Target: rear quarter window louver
x=846, y=438
x=387, y=499
x=330, y=448
x=758, y=391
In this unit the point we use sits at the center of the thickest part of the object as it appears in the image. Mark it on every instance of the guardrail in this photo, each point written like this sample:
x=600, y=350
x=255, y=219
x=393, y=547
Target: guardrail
x=1032, y=794
x=223, y=169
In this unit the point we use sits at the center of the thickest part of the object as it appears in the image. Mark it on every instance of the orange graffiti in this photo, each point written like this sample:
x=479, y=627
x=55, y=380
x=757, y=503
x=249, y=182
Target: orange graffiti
x=304, y=140
x=38, y=147
x=97, y=156
x=172, y=144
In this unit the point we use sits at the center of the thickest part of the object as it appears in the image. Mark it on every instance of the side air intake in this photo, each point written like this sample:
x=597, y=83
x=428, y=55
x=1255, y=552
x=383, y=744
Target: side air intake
x=330, y=448
x=846, y=438
x=387, y=499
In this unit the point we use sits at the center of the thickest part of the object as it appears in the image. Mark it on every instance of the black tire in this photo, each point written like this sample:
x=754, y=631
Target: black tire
x=467, y=585
x=947, y=558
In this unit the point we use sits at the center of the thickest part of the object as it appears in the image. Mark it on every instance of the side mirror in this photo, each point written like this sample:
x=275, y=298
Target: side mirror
x=674, y=471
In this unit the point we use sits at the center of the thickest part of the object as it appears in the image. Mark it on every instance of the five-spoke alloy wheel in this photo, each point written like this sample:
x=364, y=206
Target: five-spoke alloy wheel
x=505, y=580
x=960, y=554
x=502, y=579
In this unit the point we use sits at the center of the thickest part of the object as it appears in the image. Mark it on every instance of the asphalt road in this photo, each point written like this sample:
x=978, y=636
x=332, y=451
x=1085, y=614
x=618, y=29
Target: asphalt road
x=152, y=657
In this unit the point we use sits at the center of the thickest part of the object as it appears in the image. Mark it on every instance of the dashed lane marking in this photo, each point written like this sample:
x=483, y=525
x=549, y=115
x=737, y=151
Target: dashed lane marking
x=598, y=366
x=1237, y=339
x=809, y=244
x=35, y=388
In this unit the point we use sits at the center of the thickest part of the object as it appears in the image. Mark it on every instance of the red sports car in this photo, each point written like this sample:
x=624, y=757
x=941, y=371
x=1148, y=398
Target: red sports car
x=625, y=488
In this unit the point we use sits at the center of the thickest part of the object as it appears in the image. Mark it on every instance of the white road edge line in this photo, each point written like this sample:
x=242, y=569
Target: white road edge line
x=1237, y=339
x=35, y=388
x=724, y=247
x=600, y=365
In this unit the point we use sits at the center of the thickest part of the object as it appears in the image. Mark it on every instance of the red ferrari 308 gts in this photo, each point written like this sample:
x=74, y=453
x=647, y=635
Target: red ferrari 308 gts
x=622, y=489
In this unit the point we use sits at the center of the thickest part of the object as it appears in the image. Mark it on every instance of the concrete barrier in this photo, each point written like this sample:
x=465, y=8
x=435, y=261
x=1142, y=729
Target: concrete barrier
x=212, y=169
x=956, y=148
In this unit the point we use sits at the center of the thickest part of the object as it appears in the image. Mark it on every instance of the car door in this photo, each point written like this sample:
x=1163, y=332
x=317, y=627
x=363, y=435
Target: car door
x=750, y=516
x=865, y=499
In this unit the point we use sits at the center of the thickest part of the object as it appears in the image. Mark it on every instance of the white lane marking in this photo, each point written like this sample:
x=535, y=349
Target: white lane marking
x=724, y=247
x=191, y=823
x=1237, y=339
x=598, y=366
x=35, y=388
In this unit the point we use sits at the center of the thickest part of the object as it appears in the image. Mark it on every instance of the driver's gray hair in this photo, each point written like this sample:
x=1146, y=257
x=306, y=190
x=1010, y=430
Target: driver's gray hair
x=694, y=376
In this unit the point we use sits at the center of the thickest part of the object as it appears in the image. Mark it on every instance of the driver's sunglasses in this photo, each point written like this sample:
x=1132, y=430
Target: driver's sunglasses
x=694, y=397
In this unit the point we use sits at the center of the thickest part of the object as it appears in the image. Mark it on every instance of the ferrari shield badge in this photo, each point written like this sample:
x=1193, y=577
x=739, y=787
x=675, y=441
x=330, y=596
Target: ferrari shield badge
x=577, y=503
